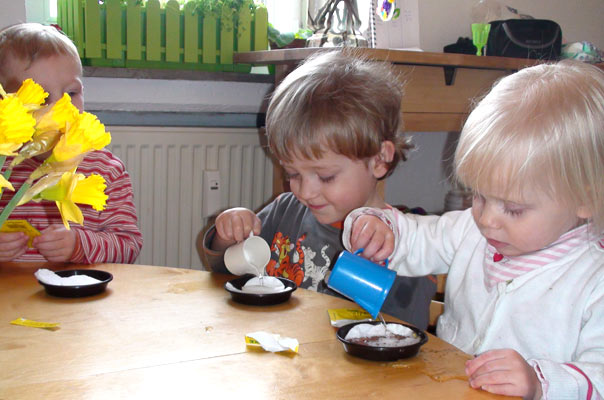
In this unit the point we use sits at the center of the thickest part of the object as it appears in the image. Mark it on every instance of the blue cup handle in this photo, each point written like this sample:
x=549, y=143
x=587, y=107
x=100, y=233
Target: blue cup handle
x=359, y=251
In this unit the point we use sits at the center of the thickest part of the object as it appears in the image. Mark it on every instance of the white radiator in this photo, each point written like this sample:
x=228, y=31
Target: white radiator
x=167, y=166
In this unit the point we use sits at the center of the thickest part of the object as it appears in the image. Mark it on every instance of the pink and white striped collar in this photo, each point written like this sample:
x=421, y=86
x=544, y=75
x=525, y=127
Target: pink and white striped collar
x=498, y=268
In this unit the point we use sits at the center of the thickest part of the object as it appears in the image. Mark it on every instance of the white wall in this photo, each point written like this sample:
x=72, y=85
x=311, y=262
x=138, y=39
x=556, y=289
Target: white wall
x=13, y=11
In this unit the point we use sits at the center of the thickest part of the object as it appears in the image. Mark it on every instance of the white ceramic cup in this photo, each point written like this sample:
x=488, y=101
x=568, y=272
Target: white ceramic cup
x=248, y=257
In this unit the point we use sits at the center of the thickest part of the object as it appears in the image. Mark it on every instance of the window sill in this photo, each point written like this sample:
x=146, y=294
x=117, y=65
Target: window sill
x=149, y=97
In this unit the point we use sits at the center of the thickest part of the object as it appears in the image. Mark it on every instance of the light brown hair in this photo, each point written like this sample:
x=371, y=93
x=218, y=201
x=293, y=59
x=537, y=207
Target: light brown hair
x=28, y=42
x=338, y=101
x=540, y=128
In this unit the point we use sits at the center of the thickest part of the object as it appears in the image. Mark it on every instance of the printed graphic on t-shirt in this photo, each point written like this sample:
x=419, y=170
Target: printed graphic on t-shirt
x=302, y=264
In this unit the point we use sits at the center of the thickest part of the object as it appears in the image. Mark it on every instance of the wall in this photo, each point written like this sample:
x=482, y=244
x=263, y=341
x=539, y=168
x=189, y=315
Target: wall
x=13, y=11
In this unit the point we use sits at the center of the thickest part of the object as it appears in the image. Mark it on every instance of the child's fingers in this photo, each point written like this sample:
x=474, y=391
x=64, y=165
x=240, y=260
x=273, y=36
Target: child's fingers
x=361, y=233
x=257, y=225
x=503, y=371
x=12, y=245
x=478, y=362
x=505, y=389
x=12, y=240
x=56, y=243
x=374, y=246
x=236, y=224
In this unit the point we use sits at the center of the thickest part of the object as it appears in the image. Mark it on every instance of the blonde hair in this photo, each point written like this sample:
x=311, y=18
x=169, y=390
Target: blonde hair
x=542, y=127
x=27, y=43
x=338, y=101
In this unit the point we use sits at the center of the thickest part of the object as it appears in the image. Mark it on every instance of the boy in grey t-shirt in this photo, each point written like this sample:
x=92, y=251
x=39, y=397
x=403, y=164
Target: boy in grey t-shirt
x=334, y=125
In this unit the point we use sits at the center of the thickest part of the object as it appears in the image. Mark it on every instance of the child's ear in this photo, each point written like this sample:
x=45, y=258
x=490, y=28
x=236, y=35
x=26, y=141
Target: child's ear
x=584, y=212
x=381, y=161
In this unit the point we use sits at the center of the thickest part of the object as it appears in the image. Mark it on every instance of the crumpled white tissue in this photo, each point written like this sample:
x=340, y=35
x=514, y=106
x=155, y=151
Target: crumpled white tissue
x=50, y=278
x=264, y=284
x=273, y=342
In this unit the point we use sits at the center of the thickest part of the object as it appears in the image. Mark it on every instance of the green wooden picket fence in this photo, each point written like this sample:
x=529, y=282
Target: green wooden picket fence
x=135, y=35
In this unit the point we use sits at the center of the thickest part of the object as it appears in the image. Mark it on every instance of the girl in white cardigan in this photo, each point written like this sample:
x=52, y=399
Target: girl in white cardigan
x=525, y=265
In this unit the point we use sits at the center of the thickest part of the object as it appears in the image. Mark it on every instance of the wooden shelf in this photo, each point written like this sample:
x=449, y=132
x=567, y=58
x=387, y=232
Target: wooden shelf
x=439, y=87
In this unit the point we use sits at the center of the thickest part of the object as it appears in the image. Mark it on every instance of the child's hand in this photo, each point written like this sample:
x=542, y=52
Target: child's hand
x=504, y=372
x=234, y=225
x=56, y=243
x=12, y=245
x=373, y=236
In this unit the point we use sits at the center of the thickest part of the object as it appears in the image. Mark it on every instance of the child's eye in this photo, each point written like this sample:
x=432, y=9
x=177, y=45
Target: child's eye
x=513, y=212
x=327, y=179
x=292, y=176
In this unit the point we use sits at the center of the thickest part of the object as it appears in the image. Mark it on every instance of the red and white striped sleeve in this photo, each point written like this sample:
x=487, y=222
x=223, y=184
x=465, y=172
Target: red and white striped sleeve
x=111, y=235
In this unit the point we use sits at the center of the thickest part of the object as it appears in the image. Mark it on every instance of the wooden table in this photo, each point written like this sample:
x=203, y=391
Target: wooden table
x=161, y=332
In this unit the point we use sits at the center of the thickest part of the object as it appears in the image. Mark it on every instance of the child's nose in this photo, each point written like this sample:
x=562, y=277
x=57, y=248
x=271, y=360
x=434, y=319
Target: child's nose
x=489, y=217
x=308, y=189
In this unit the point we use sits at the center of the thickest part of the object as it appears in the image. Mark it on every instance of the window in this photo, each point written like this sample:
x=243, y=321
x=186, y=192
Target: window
x=42, y=11
x=291, y=15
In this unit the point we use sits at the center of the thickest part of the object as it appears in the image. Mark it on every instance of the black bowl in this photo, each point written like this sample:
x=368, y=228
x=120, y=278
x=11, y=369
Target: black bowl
x=79, y=290
x=380, y=353
x=259, y=299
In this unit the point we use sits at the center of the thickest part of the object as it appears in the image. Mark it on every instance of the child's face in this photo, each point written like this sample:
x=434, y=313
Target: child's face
x=333, y=185
x=57, y=74
x=516, y=227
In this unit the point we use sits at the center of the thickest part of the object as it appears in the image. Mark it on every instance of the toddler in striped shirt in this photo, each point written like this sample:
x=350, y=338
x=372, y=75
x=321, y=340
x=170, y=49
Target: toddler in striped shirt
x=44, y=54
x=525, y=264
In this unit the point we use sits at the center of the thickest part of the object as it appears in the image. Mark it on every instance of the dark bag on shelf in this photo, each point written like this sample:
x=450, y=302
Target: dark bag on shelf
x=525, y=38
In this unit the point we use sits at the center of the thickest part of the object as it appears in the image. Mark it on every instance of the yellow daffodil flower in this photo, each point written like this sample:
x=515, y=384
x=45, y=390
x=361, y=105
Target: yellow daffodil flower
x=31, y=94
x=91, y=191
x=75, y=188
x=57, y=116
x=84, y=135
x=16, y=125
x=31, y=128
x=51, y=124
x=5, y=184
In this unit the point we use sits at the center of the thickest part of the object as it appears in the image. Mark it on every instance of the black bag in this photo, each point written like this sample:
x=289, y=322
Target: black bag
x=525, y=38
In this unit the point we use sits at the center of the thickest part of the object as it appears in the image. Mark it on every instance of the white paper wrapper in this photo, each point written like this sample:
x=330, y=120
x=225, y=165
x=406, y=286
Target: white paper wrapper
x=272, y=342
x=50, y=278
x=386, y=335
x=270, y=284
x=264, y=284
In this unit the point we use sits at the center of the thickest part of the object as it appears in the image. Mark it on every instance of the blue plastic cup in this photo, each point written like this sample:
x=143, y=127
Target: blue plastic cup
x=361, y=280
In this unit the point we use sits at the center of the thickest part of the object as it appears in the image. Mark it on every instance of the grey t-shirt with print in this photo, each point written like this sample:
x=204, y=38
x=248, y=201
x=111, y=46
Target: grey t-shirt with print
x=304, y=250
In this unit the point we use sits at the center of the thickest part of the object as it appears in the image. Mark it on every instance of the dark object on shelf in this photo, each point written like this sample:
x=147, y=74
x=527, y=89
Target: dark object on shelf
x=375, y=353
x=525, y=38
x=79, y=290
x=462, y=46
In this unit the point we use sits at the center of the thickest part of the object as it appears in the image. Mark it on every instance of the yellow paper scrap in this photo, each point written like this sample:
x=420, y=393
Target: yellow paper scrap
x=343, y=316
x=35, y=324
x=20, y=225
x=271, y=342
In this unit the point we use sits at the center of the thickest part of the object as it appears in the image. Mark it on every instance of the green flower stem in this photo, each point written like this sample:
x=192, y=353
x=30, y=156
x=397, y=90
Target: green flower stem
x=13, y=202
x=7, y=173
x=2, y=159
